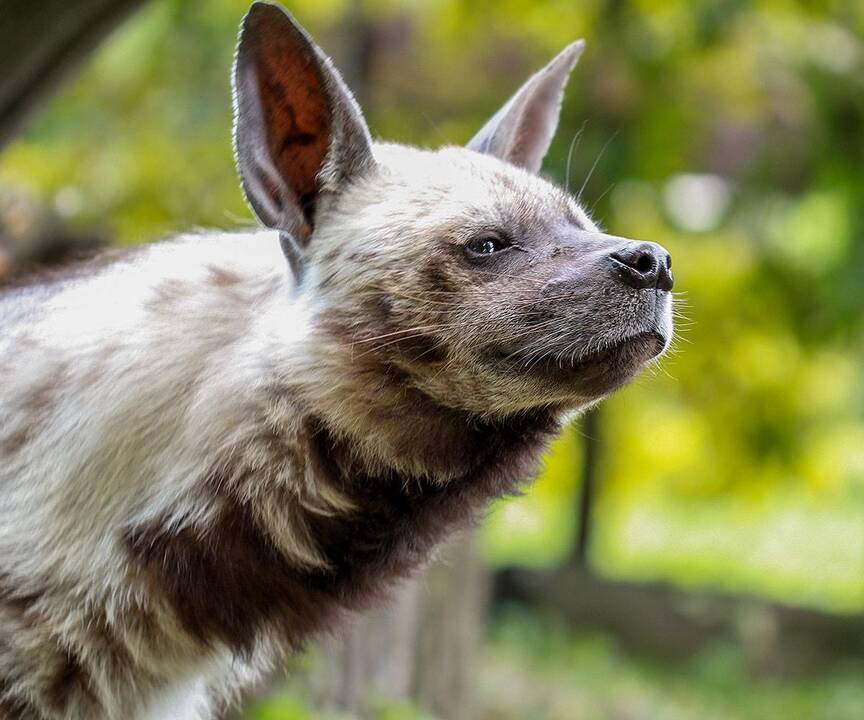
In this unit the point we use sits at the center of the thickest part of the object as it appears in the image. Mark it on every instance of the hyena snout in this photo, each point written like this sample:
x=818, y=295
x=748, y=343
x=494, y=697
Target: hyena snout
x=643, y=265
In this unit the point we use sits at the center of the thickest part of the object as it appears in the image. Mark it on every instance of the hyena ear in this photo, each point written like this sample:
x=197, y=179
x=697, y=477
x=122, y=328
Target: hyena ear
x=298, y=133
x=521, y=131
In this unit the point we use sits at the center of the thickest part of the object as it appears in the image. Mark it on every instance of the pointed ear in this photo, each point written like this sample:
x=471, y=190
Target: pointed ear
x=521, y=131
x=297, y=130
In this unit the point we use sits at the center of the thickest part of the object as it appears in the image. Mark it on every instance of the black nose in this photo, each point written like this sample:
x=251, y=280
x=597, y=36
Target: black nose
x=643, y=265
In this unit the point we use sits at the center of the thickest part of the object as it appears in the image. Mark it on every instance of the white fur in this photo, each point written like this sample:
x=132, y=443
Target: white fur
x=167, y=396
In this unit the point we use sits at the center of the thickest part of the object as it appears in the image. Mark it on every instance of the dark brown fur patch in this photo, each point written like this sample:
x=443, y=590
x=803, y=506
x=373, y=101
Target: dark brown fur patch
x=222, y=277
x=331, y=257
x=15, y=707
x=167, y=294
x=437, y=278
x=32, y=411
x=228, y=581
x=21, y=602
x=421, y=348
x=327, y=281
x=11, y=444
x=377, y=309
x=70, y=686
x=69, y=683
x=95, y=371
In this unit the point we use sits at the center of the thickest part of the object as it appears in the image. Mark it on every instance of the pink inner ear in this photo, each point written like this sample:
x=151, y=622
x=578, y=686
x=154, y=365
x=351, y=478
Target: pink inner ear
x=294, y=105
x=521, y=131
x=536, y=126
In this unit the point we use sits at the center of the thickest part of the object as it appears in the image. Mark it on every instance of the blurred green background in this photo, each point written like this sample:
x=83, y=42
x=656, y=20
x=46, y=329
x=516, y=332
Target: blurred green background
x=730, y=131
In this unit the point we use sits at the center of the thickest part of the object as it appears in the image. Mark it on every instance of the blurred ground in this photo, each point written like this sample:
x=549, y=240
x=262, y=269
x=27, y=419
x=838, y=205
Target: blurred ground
x=543, y=671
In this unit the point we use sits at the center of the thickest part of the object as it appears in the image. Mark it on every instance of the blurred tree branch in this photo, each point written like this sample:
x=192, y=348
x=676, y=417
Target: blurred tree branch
x=590, y=426
x=33, y=236
x=42, y=43
x=423, y=646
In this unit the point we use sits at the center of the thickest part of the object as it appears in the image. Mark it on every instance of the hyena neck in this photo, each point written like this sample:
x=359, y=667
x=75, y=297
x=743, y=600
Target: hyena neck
x=316, y=526
x=388, y=426
x=378, y=403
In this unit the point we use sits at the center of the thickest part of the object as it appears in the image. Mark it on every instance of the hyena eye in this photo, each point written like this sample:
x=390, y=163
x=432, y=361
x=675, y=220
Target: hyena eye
x=485, y=245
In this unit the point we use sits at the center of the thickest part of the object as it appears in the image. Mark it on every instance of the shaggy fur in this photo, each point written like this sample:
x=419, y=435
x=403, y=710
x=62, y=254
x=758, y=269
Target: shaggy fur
x=207, y=457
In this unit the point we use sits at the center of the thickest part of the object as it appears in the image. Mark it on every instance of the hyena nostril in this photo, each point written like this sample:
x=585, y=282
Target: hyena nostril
x=643, y=265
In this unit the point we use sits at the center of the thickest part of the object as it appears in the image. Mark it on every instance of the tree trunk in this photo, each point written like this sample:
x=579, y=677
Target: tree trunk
x=420, y=648
x=42, y=43
x=590, y=427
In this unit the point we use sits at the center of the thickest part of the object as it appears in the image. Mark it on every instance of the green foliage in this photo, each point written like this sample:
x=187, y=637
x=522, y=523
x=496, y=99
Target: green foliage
x=538, y=527
x=284, y=706
x=294, y=704
x=728, y=131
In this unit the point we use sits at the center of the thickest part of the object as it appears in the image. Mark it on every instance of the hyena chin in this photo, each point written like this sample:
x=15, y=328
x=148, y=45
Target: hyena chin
x=212, y=449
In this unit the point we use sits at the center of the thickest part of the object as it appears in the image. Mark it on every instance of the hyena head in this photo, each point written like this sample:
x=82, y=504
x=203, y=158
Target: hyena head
x=459, y=272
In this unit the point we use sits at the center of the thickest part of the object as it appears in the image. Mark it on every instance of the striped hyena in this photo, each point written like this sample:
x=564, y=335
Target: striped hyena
x=214, y=447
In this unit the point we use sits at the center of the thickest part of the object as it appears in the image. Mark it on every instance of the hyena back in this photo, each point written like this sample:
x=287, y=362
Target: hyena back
x=213, y=448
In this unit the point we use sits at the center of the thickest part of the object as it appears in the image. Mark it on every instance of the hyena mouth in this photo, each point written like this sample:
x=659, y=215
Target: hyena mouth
x=606, y=367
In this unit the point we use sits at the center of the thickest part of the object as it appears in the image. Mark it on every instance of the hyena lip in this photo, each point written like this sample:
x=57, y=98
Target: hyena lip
x=617, y=361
